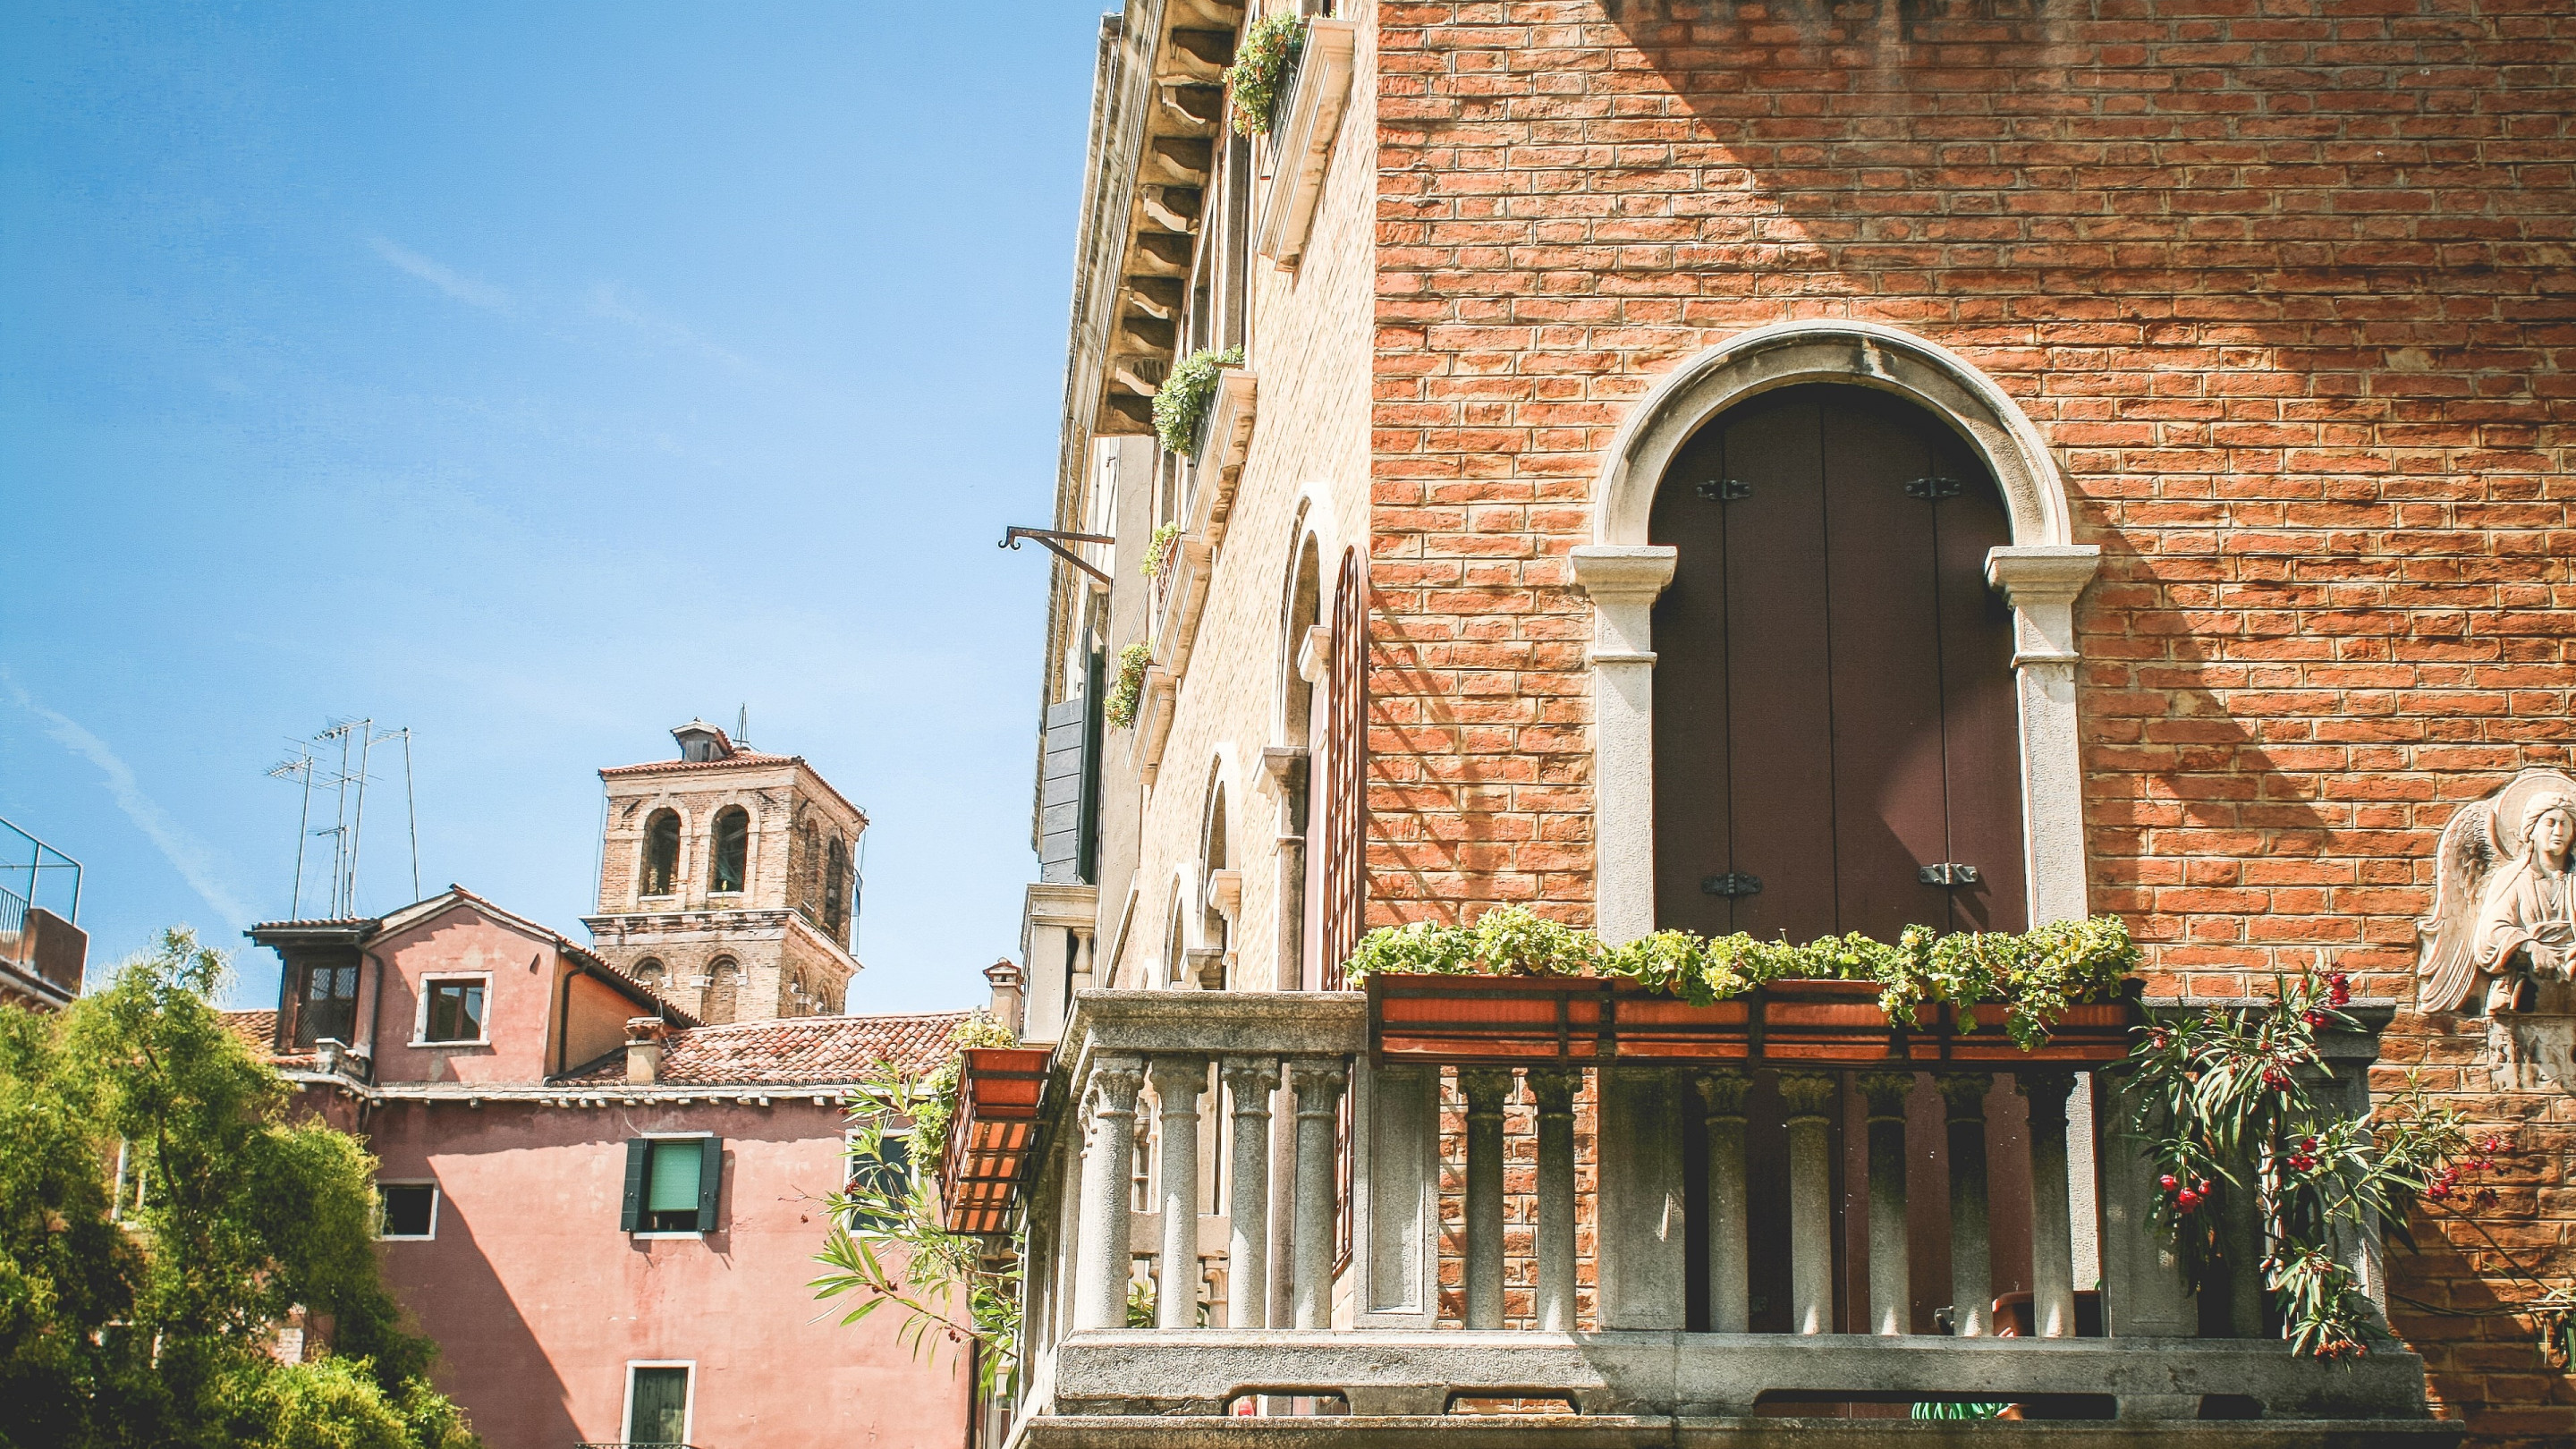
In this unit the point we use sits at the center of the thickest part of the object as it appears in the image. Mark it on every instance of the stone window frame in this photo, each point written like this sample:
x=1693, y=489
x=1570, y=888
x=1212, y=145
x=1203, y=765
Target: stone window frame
x=429, y=982
x=2040, y=573
x=680, y=861
x=626, y=1405
x=435, y=1196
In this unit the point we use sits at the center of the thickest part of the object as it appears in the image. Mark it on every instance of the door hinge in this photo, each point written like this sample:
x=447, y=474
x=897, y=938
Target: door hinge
x=1935, y=488
x=1947, y=873
x=1724, y=490
x=1732, y=883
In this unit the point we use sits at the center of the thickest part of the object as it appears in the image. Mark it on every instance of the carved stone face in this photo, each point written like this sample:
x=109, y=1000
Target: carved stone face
x=2551, y=834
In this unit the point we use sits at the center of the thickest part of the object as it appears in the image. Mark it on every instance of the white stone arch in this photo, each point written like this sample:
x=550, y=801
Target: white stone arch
x=2040, y=573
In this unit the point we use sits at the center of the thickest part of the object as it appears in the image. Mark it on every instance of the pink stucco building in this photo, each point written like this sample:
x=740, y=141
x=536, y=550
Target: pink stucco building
x=605, y=1212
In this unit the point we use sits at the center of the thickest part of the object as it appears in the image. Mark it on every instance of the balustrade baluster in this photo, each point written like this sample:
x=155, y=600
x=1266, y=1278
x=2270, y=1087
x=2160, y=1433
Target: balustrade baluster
x=1554, y=1093
x=1108, y=1151
x=1318, y=1082
x=2052, y=1238
x=1890, y=1289
x=1811, y=1098
x=1249, y=1081
x=1178, y=1081
x=1485, y=1089
x=1972, y=1278
x=1730, y=1298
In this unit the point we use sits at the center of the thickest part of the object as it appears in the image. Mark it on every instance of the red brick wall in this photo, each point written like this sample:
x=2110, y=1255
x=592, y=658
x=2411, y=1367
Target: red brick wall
x=2285, y=284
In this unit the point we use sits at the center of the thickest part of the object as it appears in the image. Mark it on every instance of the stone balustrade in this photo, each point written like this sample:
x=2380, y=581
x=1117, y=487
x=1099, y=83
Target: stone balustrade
x=1320, y=1211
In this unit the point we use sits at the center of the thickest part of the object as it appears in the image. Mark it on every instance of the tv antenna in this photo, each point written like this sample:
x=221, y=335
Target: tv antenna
x=336, y=759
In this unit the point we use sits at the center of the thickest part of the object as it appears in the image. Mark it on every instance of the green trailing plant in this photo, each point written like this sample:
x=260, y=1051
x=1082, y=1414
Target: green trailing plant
x=1181, y=405
x=1158, y=553
x=2227, y=1104
x=1261, y=68
x=1128, y=688
x=889, y=1246
x=2033, y=975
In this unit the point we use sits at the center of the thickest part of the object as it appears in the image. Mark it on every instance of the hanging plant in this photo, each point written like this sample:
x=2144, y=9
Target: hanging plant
x=1129, y=687
x=1180, y=407
x=2225, y=1106
x=2033, y=975
x=1158, y=554
x=1261, y=67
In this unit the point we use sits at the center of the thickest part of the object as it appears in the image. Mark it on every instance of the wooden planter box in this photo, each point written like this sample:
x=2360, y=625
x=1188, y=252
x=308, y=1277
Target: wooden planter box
x=990, y=1138
x=1580, y=1021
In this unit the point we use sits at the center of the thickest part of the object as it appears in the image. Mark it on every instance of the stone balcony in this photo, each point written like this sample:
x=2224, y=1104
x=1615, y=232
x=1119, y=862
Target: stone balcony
x=1665, y=1298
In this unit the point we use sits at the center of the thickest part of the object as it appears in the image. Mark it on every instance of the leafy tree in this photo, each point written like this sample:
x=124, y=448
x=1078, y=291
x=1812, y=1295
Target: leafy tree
x=140, y=1309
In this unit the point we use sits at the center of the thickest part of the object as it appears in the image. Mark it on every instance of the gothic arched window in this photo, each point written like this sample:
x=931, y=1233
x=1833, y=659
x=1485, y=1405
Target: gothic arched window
x=733, y=848
x=1836, y=739
x=836, y=889
x=661, y=853
x=724, y=991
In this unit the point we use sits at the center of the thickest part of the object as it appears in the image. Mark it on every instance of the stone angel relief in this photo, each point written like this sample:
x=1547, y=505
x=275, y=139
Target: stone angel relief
x=2502, y=935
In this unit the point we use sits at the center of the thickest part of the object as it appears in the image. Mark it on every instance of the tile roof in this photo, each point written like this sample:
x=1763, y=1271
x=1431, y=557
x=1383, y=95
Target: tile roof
x=796, y=1050
x=259, y=1030
x=738, y=757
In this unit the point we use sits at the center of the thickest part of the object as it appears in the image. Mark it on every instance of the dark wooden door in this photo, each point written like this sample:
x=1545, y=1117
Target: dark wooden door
x=1834, y=706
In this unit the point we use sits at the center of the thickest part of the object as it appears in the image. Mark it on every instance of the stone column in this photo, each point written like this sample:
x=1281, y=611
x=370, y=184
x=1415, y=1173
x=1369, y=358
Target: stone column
x=1891, y=1291
x=1811, y=1099
x=1638, y=1244
x=2240, y=1228
x=1249, y=1081
x=1108, y=1149
x=1623, y=581
x=1554, y=1093
x=1318, y=1082
x=2052, y=1245
x=1730, y=1300
x=1178, y=1081
x=2142, y=1280
x=1972, y=1276
x=1485, y=1089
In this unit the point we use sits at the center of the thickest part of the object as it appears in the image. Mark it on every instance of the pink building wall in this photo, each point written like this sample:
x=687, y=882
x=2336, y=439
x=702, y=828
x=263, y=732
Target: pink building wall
x=540, y=1302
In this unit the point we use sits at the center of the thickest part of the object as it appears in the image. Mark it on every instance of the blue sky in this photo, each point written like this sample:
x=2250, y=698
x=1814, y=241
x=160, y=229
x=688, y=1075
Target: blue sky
x=537, y=378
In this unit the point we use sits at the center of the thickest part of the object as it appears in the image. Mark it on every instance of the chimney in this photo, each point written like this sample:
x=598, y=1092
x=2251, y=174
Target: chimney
x=644, y=1050
x=1005, y=976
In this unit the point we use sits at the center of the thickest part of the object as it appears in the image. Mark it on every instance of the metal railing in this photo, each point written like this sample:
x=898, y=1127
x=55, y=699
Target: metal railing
x=53, y=879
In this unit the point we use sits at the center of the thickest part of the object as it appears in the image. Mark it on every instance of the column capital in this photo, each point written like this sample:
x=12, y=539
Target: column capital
x=1886, y=1093
x=2047, y=1092
x=1318, y=1082
x=1181, y=1077
x=1250, y=1081
x=1965, y=1093
x=1623, y=573
x=2041, y=582
x=1115, y=1081
x=1553, y=1088
x=1485, y=1088
x=1809, y=1094
x=1723, y=1091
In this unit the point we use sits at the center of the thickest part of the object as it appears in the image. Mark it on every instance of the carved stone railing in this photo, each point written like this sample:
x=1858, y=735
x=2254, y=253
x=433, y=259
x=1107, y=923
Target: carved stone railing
x=1326, y=1237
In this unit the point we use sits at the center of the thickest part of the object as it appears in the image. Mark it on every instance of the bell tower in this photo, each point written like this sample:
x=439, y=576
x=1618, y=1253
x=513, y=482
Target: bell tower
x=726, y=880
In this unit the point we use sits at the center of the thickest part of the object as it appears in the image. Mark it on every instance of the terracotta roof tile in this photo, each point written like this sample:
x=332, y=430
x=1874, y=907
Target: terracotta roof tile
x=259, y=1028
x=797, y=1051
x=738, y=757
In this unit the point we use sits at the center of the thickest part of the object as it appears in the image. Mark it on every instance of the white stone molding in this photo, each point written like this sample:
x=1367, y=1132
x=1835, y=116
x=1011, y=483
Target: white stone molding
x=2041, y=582
x=1302, y=132
x=1623, y=581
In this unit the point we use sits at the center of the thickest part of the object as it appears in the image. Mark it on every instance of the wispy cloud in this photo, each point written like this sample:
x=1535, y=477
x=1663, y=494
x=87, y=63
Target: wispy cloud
x=608, y=303
x=194, y=862
x=445, y=278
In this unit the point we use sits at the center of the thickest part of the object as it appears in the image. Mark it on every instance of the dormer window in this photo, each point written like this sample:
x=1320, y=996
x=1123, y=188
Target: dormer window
x=662, y=853
x=733, y=849
x=452, y=1009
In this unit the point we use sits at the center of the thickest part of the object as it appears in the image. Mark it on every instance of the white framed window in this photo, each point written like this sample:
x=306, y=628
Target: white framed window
x=407, y=1211
x=661, y=1401
x=454, y=1009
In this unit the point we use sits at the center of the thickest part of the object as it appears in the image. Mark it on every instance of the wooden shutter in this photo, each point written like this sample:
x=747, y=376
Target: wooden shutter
x=1834, y=707
x=1345, y=909
x=630, y=1217
x=710, y=1183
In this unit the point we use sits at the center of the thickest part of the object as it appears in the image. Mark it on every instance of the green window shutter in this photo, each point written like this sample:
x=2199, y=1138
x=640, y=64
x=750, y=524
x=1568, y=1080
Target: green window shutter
x=710, y=1184
x=671, y=1186
x=630, y=1216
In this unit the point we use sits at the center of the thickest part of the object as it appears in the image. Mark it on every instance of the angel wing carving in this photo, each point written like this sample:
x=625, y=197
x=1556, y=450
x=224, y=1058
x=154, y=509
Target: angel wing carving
x=2467, y=855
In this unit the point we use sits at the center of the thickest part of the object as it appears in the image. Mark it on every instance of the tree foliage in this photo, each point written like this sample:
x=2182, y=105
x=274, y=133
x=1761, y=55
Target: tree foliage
x=143, y=1310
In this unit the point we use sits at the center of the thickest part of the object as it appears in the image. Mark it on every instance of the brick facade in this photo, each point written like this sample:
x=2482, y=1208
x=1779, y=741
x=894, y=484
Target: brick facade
x=2285, y=289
